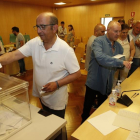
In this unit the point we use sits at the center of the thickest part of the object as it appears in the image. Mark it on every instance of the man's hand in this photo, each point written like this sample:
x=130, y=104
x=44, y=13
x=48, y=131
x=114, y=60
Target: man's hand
x=50, y=87
x=127, y=64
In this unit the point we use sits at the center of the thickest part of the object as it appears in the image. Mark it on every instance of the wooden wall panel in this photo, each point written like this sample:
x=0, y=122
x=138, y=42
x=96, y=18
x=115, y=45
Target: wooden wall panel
x=20, y=15
x=84, y=18
x=132, y=6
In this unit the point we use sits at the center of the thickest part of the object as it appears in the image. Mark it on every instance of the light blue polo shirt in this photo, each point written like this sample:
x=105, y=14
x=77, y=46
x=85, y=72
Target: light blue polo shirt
x=102, y=65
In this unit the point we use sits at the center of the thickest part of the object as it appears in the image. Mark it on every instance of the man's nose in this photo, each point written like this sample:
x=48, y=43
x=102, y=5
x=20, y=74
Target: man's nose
x=38, y=30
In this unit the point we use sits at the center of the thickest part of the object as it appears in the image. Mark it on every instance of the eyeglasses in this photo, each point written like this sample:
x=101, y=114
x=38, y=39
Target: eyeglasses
x=42, y=27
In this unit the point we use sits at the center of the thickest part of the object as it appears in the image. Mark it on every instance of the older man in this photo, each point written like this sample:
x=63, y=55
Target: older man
x=99, y=30
x=135, y=33
x=52, y=69
x=102, y=67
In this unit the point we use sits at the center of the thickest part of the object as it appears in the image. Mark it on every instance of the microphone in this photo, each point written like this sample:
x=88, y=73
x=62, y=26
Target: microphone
x=124, y=99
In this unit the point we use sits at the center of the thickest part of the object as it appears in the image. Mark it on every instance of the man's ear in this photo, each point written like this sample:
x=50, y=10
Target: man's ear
x=55, y=27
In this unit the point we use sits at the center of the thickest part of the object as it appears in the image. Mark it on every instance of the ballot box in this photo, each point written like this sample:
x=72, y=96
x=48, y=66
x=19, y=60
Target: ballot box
x=15, y=111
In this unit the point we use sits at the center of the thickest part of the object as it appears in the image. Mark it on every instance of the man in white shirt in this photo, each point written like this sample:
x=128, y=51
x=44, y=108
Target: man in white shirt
x=135, y=33
x=99, y=30
x=62, y=31
x=52, y=70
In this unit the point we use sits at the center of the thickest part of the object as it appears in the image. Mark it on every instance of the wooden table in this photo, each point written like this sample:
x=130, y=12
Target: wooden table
x=41, y=128
x=13, y=68
x=87, y=132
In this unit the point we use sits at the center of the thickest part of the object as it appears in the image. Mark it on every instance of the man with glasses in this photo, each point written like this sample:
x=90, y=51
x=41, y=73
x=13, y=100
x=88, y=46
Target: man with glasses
x=52, y=70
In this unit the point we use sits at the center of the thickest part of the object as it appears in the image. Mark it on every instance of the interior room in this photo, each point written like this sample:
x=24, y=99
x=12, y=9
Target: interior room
x=84, y=15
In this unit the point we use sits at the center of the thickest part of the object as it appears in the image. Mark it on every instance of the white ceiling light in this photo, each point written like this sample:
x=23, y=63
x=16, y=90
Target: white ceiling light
x=60, y=3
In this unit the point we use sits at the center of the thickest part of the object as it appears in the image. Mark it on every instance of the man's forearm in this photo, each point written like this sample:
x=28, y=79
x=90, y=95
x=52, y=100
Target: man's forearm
x=70, y=78
x=10, y=57
x=6, y=58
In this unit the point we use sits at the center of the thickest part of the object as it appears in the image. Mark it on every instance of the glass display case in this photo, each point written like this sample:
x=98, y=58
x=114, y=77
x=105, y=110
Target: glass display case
x=14, y=105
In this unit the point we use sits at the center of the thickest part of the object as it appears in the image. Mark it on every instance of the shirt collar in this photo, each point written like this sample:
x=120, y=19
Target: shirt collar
x=55, y=46
x=109, y=42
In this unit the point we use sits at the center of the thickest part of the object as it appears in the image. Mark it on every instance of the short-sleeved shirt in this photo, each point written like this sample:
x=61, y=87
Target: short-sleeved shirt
x=137, y=49
x=126, y=46
x=49, y=66
x=62, y=32
x=19, y=38
x=88, y=51
x=102, y=65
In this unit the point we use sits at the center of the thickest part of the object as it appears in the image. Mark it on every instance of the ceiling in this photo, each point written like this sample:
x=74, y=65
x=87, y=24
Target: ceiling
x=50, y=3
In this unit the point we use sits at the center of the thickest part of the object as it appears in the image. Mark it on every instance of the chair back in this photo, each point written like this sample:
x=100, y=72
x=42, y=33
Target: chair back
x=76, y=41
x=82, y=45
x=27, y=38
x=12, y=38
x=1, y=40
x=85, y=39
x=80, y=50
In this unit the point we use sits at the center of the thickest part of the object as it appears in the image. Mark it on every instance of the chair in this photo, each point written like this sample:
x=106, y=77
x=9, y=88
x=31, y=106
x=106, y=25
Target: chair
x=79, y=56
x=1, y=40
x=12, y=38
x=27, y=38
x=80, y=50
x=82, y=45
x=76, y=41
x=85, y=39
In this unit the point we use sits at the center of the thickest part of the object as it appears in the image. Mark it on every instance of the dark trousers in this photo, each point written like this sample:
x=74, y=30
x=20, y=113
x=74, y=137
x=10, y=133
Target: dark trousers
x=21, y=65
x=90, y=96
x=134, y=66
x=60, y=113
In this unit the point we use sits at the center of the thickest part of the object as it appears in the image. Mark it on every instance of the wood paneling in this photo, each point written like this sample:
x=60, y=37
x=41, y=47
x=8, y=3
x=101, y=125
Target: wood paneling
x=50, y=3
x=84, y=18
x=132, y=6
x=20, y=15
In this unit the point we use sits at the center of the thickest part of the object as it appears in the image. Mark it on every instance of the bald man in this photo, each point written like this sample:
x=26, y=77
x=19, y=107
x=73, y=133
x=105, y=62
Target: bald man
x=99, y=30
x=102, y=67
x=52, y=70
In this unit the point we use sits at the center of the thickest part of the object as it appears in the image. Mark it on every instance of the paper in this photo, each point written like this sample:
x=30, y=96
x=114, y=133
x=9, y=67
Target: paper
x=8, y=121
x=44, y=93
x=118, y=56
x=2, y=129
x=0, y=65
x=127, y=120
x=104, y=122
x=134, y=135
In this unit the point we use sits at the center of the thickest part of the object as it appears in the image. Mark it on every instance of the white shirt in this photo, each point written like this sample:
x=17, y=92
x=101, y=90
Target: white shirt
x=126, y=46
x=61, y=31
x=137, y=49
x=49, y=66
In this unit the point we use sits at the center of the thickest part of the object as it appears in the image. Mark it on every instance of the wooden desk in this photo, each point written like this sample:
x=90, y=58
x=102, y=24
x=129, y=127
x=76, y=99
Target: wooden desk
x=9, y=45
x=87, y=132
x=41, y=128
x=13, y=68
